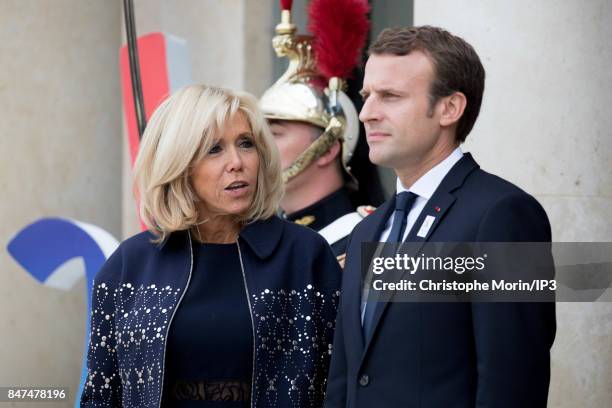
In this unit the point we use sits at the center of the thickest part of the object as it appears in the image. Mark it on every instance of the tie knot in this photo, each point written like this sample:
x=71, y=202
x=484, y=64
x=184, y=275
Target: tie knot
x=404, y=201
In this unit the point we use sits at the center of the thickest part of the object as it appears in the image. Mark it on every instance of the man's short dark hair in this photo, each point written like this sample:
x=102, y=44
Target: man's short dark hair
x=457, y=67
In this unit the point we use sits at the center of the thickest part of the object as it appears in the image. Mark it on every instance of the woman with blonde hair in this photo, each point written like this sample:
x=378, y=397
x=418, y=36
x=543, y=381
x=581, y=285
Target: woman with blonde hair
x=220, y=303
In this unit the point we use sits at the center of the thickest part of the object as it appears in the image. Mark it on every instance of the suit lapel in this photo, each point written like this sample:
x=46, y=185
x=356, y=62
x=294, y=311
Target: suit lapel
x=437, y=206
x=369, y=233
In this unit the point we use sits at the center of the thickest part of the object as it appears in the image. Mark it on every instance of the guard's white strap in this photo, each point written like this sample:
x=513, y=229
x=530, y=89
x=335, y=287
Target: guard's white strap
x=340, y=228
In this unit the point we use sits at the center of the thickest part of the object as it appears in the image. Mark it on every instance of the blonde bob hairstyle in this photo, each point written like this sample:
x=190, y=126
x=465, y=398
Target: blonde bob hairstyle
x=179, y=134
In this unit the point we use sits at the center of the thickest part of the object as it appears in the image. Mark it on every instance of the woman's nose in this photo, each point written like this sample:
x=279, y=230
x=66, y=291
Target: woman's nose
x=234, y=160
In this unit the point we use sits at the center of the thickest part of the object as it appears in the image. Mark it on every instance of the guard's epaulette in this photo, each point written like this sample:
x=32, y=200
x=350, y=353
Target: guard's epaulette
x=365, y=210
x=305, y=220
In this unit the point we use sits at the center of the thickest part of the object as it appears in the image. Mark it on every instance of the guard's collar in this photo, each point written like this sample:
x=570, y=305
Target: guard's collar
x=325, y=211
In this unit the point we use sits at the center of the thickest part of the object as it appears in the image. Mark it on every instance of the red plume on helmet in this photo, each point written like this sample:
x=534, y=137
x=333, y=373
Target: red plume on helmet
x=311, y=89
x=286, y=4
x=340, y=29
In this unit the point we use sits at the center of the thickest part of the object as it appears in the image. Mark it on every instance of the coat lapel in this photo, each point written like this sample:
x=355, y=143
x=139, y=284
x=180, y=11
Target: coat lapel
x=437, y=206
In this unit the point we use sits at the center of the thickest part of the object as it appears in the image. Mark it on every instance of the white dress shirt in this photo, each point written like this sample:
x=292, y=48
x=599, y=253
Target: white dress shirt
x=424, y=188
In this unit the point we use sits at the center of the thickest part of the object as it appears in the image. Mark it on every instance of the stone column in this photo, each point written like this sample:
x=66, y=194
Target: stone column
x=545, y=125
x=60, y=155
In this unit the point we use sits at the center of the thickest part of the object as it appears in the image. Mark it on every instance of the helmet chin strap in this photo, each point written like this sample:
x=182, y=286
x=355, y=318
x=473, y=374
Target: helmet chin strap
x=317, y=149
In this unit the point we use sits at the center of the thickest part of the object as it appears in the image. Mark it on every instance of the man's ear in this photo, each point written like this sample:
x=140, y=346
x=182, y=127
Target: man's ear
x=453, y=107
x=330, y=155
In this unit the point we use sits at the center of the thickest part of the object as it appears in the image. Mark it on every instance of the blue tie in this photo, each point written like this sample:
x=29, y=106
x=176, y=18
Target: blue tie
x=403, y=204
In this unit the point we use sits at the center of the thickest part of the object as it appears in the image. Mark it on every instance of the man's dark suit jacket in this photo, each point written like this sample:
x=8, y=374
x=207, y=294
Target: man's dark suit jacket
x=447, y=355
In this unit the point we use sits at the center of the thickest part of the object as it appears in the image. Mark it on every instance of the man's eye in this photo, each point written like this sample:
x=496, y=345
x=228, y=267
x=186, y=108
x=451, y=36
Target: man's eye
x=277, y=132
x=389, y=96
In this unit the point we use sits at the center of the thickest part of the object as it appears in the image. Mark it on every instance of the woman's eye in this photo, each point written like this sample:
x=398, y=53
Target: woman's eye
x=214, y=149
x=246, y=144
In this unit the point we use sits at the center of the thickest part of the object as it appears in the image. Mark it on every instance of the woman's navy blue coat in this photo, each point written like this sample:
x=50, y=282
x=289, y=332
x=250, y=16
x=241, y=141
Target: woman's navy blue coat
x=293, y=282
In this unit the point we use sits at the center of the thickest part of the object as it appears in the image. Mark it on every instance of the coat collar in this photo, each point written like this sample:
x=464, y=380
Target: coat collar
x=458, y=173
x=262, y=236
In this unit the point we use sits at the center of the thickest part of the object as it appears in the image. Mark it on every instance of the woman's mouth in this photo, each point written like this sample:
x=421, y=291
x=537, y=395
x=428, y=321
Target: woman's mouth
x=237, y=188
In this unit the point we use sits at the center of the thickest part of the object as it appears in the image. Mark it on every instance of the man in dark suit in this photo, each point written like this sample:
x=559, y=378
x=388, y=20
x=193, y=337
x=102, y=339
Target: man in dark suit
x=422, y=92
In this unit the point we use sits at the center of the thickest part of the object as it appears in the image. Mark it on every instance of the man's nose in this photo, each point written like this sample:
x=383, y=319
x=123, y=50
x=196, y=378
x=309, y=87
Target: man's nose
x=369, y=111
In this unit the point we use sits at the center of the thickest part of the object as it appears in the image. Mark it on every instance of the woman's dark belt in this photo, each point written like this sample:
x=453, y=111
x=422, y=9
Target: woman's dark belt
x=202, y=390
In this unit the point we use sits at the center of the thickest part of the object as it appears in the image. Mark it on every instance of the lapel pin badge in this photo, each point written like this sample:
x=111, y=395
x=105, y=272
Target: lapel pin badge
x=426, y=226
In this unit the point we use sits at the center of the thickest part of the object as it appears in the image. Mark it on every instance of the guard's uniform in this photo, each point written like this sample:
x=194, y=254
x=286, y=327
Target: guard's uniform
x=333, y=217
x=298, y=95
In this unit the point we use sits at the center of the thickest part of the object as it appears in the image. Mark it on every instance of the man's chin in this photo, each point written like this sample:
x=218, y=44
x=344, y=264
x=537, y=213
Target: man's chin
x=379, y=158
